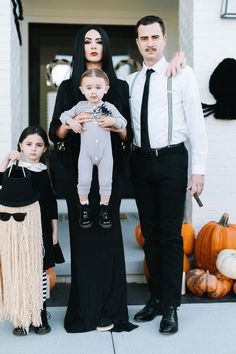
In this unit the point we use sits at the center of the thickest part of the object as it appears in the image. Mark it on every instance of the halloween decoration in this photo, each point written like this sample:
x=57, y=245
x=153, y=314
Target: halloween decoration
x=52, y=277
x=215, y=285
x=213, y=238
x=21, y=251
x=188, y=234
x=226, y=263
x=222, y=87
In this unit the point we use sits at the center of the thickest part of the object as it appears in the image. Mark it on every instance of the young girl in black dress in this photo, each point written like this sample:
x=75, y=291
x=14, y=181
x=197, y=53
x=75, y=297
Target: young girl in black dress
x=32, y=148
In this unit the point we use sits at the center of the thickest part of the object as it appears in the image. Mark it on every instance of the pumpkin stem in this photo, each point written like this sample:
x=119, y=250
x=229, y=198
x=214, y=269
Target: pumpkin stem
x=224, y=220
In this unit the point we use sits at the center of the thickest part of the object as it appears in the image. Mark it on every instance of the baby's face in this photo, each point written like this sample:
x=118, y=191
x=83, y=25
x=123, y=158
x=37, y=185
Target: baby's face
x=94, y=88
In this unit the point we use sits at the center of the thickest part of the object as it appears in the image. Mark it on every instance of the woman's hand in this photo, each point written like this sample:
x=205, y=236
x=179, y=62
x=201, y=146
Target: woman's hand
x=76, y=122
x=176, y=64
x=76, y=125
x=83, y=117
x=107, y=122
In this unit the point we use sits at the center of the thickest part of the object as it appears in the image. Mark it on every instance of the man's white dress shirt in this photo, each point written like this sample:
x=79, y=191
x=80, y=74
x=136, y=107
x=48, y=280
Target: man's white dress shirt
x=188, y=119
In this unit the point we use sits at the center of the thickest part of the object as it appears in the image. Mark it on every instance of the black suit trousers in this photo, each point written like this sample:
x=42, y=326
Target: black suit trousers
x=160, y=186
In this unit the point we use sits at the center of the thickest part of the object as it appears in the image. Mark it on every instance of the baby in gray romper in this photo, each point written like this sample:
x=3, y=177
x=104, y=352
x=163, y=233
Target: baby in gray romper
x=95, y=148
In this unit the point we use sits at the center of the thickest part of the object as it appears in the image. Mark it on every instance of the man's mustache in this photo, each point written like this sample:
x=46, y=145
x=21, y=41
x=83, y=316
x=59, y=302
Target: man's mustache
x=150, y=49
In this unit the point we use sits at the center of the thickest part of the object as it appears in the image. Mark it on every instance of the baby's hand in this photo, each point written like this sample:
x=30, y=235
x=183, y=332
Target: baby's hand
x=106, y=121
x=14, y=155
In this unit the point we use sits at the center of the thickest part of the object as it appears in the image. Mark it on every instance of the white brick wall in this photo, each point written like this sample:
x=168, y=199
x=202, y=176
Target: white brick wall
x=10, y=78
x=213, y=39
x=186, y=28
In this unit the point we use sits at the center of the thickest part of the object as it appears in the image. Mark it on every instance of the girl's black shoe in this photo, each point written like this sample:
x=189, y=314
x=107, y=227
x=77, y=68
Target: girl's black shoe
x=18, y=331
x=44, y=328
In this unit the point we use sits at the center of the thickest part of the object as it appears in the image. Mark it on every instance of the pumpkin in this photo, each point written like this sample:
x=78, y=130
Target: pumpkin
x=188, y=234
x=186, y=266
x=139, y=236
x=226, y=263
x=213, y=238
x=234, y=287
x=200, y=282
x=224, y=286
x=52, y=277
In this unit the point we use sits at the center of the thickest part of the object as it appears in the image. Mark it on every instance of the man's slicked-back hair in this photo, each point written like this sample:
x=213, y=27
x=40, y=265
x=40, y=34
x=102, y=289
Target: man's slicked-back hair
x=149, y=20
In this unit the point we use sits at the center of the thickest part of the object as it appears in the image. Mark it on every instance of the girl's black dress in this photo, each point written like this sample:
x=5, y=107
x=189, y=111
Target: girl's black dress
x=48, y=207
x=98, y=277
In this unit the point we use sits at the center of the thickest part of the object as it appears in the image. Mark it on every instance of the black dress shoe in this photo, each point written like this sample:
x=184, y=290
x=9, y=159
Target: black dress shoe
x=150, y=311
x=85, y=217
x=104, y=217
x=169, y=322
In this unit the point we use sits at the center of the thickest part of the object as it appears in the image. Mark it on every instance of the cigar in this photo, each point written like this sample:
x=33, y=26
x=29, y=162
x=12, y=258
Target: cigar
x=198, y=200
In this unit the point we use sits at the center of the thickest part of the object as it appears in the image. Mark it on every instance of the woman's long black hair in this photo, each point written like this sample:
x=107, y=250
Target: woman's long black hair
x=79, y=62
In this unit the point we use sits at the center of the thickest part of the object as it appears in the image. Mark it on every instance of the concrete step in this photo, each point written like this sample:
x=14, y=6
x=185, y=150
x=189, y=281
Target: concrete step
x=133, y=253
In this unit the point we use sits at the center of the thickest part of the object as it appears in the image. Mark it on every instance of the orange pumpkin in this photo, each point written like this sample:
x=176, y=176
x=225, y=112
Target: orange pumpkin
x=213, y=238
x=139, y=236
x=186, y=266
x=224, y=286
x=215, y=285
x=52, y=277
x=188, y=234
x=234, y=287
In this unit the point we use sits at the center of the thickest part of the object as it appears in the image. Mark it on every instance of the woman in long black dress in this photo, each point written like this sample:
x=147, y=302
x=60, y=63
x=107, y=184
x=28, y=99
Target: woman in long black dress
x=98, y=296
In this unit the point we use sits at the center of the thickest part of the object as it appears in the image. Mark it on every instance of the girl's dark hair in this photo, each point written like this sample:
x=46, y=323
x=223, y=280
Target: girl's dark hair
x=33, y=130
x=79, y=62
x=30, y=130
x=149, y=20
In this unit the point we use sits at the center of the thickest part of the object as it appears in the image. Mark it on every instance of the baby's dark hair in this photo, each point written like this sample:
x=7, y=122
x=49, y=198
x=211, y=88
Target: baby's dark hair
x=30, y=130
x=95, y=72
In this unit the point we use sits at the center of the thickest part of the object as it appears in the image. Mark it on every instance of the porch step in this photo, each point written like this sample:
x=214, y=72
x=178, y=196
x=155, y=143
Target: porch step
x=133, y=253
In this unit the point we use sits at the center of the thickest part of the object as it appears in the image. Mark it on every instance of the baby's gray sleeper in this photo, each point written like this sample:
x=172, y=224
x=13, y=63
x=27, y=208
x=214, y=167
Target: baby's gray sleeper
x=95, y=147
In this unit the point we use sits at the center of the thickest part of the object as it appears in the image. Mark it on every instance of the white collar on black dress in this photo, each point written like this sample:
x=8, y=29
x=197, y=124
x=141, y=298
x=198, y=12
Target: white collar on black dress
x=36, y=167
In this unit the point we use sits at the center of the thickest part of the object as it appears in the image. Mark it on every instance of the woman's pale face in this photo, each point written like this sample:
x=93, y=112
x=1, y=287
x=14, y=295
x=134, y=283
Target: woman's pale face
x=93, y=47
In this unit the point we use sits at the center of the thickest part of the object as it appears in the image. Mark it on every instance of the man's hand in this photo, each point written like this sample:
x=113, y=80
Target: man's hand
x=196, y=184
x=176, y=64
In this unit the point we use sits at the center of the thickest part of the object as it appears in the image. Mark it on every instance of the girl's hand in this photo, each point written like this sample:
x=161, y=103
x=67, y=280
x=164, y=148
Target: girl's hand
x=107, y=122
x=13, y=156
x=176, y=64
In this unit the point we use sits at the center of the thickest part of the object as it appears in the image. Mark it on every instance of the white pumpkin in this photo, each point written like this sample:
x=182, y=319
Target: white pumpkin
x=226, y=263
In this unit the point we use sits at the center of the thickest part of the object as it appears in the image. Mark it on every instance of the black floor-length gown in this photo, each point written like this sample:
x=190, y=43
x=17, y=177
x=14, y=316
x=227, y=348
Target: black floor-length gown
x=98, y=278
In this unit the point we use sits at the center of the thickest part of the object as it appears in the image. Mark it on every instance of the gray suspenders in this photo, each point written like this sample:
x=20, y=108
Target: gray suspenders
x=169, y=99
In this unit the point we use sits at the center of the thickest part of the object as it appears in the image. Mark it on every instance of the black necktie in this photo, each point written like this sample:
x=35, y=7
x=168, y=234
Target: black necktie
x=145, y=143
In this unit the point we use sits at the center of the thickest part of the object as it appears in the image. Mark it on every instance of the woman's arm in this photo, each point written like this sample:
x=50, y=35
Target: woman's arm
x=176, y=64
